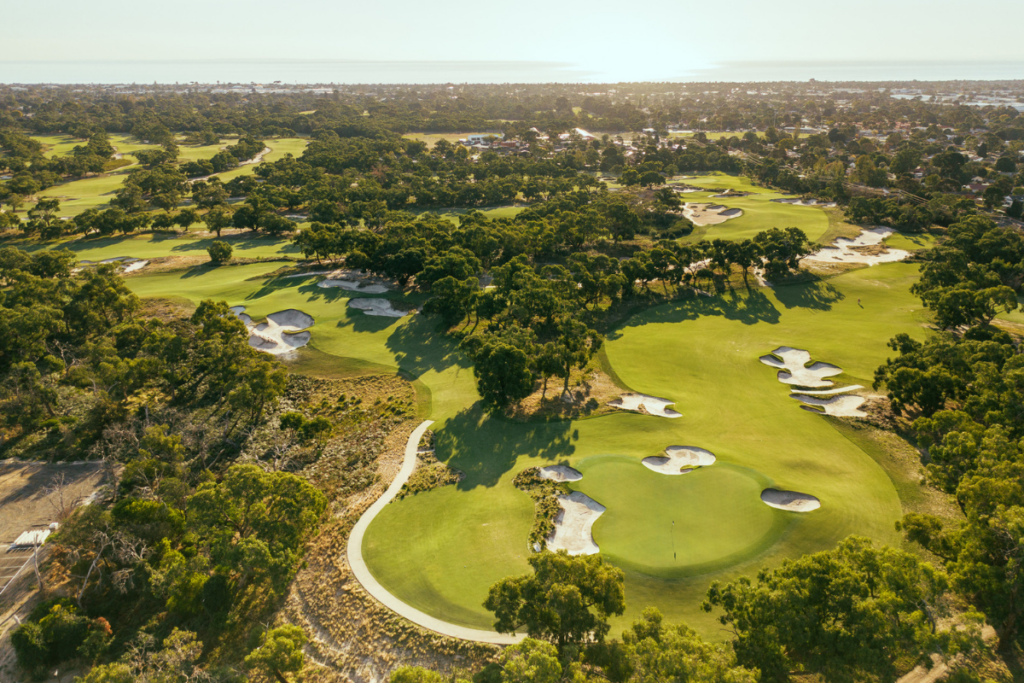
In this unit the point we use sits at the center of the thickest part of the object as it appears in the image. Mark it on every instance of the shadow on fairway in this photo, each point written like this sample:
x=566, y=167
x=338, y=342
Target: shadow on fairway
x=750, y=307
x=485, y=448
x=242, y=244
x=818, y=295
x=418, y=346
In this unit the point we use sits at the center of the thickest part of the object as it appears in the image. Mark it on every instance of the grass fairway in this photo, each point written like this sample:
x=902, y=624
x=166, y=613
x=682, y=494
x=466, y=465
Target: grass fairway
x=703, y=354
x=441, y=550
x=157, y=245
x=759, y=212
x=78, y=195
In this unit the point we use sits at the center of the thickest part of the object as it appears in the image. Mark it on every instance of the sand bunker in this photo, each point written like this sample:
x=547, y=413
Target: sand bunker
x=574, y=524
x=679, y=460
x=709, y=214
x=649, y=405
x=791, y=501
x=804, y=202
x=828, y=392
x=559, y=473
x=282, y=332
x=354, y=286
x=837, y=406
x=844, y=250
x=134, y=266
x=382, y=307
x=792, y=363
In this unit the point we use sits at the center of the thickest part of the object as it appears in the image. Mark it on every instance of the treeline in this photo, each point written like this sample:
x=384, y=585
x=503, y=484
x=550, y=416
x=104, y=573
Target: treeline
x=964, y=389
x=855, y=613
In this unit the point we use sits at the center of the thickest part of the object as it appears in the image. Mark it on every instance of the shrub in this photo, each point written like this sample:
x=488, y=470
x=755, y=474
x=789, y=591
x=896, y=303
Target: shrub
x=220, y=252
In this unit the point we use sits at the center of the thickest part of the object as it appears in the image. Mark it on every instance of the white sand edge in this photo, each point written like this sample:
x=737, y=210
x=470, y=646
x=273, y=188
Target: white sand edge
x=842, y=250
x=574, y=525
x=642, y=403
x=559, y=473
x=679, y=460
x=362, y=573
x=380, y=307
x=836, y=406
x=790, y=501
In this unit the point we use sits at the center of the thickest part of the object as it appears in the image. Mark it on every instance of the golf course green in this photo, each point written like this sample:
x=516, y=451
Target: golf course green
x=440, y=551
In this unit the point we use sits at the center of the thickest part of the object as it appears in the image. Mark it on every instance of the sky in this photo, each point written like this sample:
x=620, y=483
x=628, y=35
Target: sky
x=586, y=41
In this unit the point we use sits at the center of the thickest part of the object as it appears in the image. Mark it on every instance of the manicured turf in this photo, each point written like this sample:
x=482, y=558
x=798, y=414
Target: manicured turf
x=703, y=354
x=675, y=526
x=154, y=246
x=759, y=212
x=78, y=195
x=441, y=550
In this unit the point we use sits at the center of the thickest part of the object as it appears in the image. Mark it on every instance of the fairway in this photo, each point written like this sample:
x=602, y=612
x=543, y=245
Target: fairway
x=441, y=550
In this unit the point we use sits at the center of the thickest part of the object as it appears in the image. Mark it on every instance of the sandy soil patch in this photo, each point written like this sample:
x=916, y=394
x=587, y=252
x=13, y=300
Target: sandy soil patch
x=353, y=286
x=804, y=202
x=679, y=460
x=791, y=501
x=574, y=525
x=649, y=405
x=793, y=369
x=828, y=392
x=709, y=214
x=381, y=307
x=281, y=333
x=559, y=473
x=134, y=266
x=837, y=406
x=857, y=250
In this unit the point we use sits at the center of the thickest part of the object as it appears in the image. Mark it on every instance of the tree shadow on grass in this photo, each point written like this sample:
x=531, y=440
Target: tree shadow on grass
x=244, y=243
x=418, y=346
x=749, y=308
x=485, y=447
x=818, y=295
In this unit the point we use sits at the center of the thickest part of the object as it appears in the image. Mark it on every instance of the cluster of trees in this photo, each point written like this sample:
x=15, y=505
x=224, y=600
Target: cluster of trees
x=854, y=613
x=943, y=209
x=245, y=149
x=965, y=391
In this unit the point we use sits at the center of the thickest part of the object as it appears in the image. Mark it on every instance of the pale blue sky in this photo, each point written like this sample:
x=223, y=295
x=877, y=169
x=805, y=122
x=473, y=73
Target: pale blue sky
x=656, y=39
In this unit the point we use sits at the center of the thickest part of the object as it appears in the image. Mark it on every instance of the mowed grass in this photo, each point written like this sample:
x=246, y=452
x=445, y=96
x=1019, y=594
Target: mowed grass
x=78, y=195
x=759, y=212
x=704, y=355
x=158, y=245
x=682, y=525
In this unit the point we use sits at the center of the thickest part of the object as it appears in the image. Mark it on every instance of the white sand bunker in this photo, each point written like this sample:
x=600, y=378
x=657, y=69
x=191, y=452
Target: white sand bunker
x=559, y=473
x=282, y=332
x=837, y=406
x=792, y=366
x=791, y=501
x=844, y=250
x=709, y=214
x=133, y=266
x=353, y=286
x=679, y=460
x=382, y=307
x=649, y=405
x=574, y=525
x=804, y=202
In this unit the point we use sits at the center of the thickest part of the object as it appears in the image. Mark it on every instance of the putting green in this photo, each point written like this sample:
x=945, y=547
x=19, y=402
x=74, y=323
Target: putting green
x=684, y=525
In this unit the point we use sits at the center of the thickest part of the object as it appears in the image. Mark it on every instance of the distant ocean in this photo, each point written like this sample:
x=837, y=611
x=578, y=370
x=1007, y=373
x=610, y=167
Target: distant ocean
x=289, y=71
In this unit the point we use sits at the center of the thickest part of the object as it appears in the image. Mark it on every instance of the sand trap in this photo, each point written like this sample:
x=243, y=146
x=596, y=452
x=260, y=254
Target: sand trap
x=843, y=251
x=282, y=332
x=382, y=307
x=134, y=266
x=241, y=315
x=574, y=523
x=709, y=214
x=804, y=202
x=649, y=405
x=827, y=392
x=792, y=368
x=679, y=460
x=791, y=501
x=559, y=473
x=730, y=193
x=353, y=286
x=837, y=406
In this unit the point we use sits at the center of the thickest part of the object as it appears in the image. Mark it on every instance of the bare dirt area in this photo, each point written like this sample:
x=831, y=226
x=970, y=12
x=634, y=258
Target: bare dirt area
x=590, y=391
x=352, y=636
x=32, y=496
